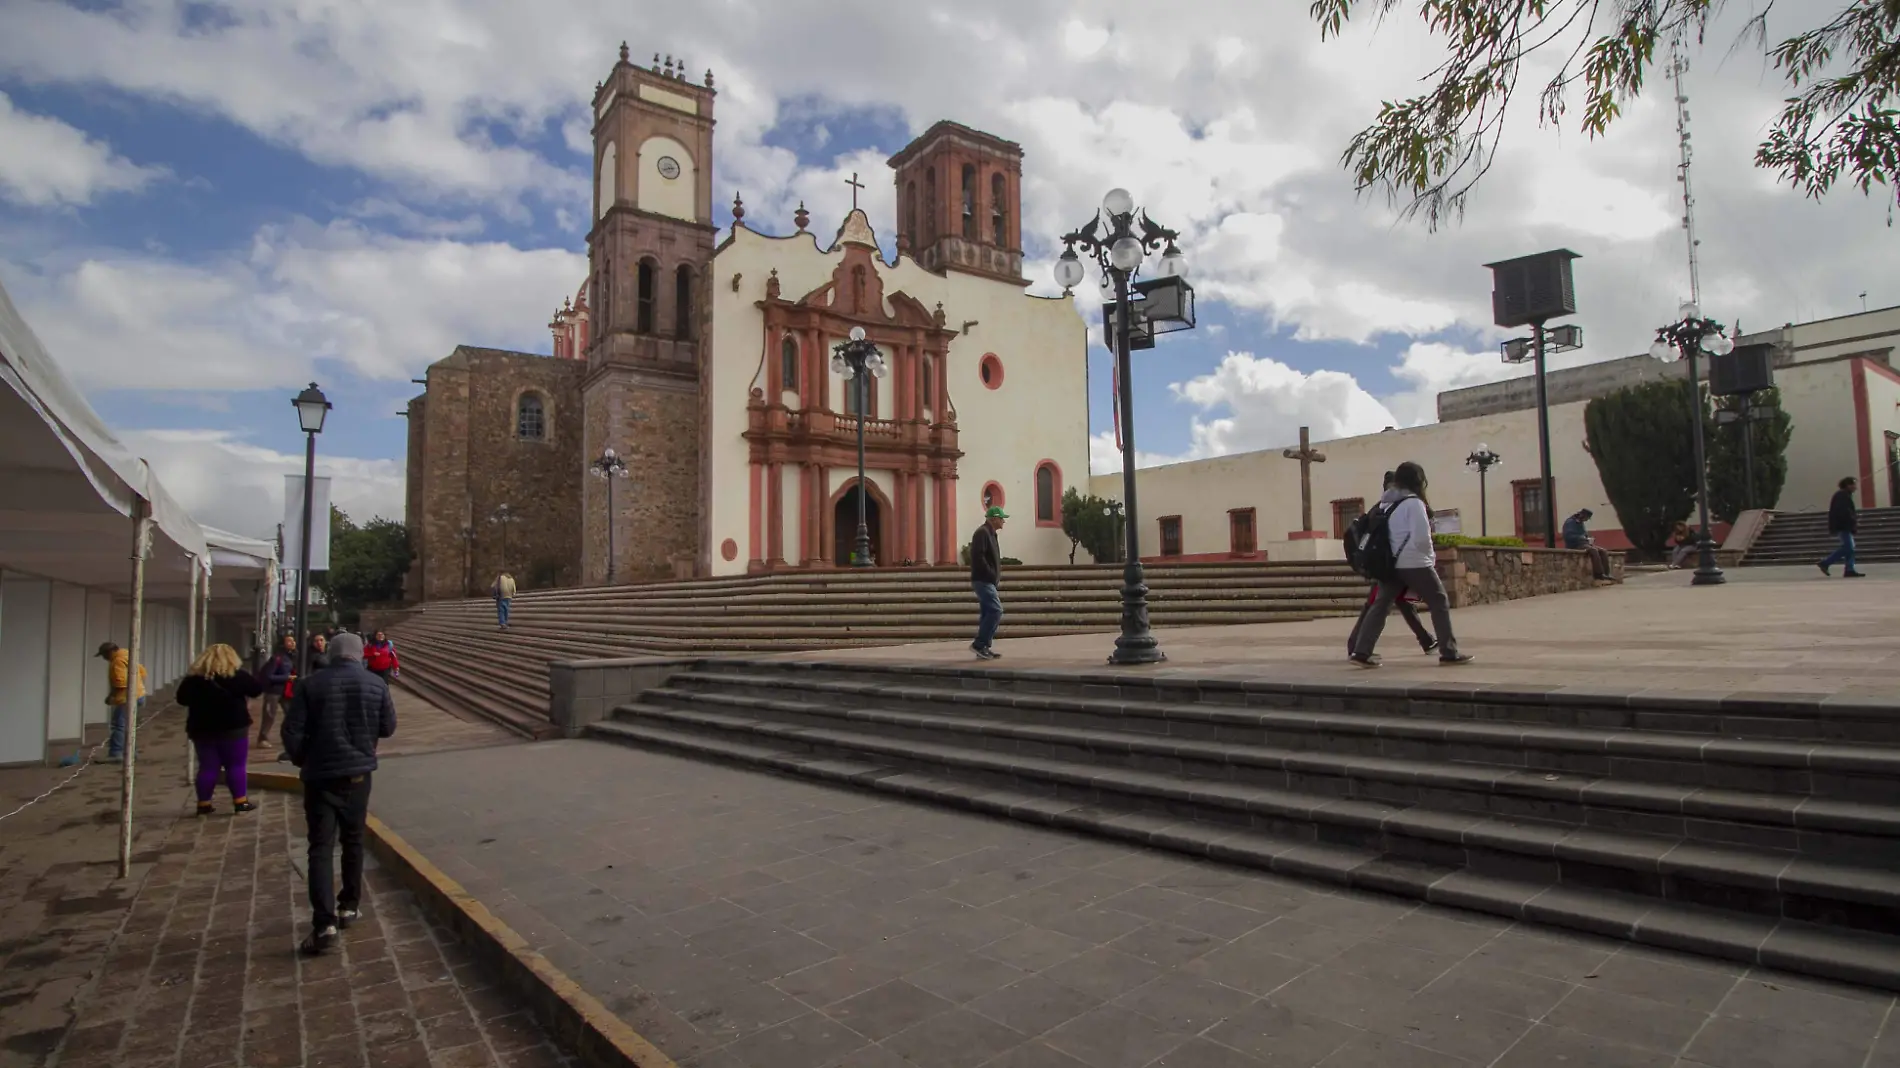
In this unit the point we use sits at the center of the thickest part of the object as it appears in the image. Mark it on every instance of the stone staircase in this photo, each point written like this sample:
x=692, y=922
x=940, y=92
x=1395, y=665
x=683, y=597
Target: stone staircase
x=1758, y=831
x=1802, y=538
x=453, y=654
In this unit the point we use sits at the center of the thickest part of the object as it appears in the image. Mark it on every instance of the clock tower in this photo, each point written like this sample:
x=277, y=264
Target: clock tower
x=648, y=252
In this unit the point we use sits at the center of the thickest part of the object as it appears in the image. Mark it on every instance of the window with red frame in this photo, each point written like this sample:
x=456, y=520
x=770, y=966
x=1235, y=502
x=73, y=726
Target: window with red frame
x=1171, y=535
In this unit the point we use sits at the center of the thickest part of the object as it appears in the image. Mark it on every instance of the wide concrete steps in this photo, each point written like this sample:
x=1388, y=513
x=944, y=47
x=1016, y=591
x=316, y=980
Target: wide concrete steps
x=1767, y=834
x=1802, y=538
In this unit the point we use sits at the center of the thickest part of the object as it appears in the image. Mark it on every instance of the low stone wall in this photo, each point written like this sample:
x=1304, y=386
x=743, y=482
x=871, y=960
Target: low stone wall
x=587, y=691
x=1475, y=574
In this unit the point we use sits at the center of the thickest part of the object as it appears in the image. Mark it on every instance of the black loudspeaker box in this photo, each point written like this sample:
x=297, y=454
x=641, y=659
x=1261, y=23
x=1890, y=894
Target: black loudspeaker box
x=1746, y=370
x=1532, y=289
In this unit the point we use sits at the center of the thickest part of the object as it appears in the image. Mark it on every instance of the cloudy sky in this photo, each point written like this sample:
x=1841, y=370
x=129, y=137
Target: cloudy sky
x=205, y=204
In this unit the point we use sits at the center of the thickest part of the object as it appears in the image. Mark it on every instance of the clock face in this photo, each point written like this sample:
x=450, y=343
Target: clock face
x=669, y=168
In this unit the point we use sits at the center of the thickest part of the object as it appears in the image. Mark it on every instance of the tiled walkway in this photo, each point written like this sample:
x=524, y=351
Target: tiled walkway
x=191, y=962
x=741, y=920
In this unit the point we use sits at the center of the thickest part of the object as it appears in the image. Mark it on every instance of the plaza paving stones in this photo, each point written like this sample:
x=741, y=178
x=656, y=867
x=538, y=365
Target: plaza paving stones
x=741, y=920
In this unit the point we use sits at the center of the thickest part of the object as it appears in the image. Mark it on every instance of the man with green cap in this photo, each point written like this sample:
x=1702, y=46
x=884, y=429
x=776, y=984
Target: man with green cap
x=986, y=565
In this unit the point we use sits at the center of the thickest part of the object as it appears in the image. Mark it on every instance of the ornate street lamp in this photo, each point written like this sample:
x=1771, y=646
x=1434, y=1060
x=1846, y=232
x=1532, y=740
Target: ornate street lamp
x=856, y=361
x=1687, y=336
x=1119, y=237
x=608, y=468
x=312, y=409
x=1113, y=510
x=467, y=534
x=503, y=517
x=1484, y=460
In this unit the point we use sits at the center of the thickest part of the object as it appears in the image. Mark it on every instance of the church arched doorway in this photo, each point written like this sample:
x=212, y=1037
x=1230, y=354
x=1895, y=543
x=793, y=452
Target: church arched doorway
x=844, y=525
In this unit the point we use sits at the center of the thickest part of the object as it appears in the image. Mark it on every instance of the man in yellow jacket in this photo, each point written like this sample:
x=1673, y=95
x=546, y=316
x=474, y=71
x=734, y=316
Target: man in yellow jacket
x=117, y=670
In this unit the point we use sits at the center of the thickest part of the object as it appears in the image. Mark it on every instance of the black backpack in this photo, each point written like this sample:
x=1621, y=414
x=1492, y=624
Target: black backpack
x=1368, y=544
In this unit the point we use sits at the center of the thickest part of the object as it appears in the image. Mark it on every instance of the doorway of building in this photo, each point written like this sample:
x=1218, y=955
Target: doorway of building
x=844, y=525
x=1893, y=469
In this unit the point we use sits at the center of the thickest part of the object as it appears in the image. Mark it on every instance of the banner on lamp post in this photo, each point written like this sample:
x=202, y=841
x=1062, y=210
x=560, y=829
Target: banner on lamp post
x=319, y=527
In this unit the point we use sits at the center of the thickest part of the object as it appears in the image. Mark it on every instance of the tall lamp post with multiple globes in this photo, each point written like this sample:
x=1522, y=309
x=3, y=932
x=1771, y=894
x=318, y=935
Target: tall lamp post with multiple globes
x=312, y=409
x=608, y=468
x=1119, y=238
x=1482, y=459
x=503, y=517
x=856, y=361
x=1689, y=335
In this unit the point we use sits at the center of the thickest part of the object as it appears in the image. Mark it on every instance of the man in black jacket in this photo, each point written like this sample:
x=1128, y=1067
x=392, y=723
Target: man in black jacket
x=986, y=567
x=336, y=717
x=1843, y=521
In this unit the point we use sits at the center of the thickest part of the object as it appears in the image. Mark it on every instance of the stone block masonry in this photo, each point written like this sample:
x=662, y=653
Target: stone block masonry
x=1483, y=575
x=653, y=421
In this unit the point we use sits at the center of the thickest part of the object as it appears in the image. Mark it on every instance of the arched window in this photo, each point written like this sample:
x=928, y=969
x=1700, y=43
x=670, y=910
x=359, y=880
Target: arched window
x=930, y=204
x=1048, y=493
x=531, y=418
x=930, y=375
x=999, y=217
x=910, y=210
x=646, y=283
x=683, y=303
x=969, y=201
x=788, y=363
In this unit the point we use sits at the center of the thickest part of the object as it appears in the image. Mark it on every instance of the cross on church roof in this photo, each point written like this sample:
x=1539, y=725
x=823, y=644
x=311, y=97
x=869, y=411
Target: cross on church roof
x=855, y=186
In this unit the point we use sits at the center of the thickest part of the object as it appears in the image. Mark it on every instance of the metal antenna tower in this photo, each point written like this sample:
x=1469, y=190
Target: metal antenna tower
x=1678, y=66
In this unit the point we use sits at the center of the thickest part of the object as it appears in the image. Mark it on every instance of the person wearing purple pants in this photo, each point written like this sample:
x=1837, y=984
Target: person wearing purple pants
x=216, y=696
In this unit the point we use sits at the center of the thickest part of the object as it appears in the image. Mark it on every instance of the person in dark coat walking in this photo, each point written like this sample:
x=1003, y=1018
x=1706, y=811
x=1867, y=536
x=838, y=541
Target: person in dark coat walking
x=336, y=717
x=216, y=696
x=986, y=570
x=1843, y=521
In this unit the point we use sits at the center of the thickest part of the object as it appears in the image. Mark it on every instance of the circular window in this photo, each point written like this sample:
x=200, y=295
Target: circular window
x=993, y=495
x=991, y=371
x=669, y=168
x=729, y=549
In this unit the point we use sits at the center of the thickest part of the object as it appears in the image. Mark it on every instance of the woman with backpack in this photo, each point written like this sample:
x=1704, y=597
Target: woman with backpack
x=1405, y=604
x=1398, y=552
x=379, y=655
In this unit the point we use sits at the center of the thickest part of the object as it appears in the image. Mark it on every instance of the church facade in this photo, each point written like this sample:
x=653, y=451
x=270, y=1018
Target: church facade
x=705, y=363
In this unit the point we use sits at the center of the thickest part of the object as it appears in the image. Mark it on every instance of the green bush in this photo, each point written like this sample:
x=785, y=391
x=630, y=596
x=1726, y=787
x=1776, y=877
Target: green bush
x=1640, y=439
x=1728, y=479
x=1447, y=541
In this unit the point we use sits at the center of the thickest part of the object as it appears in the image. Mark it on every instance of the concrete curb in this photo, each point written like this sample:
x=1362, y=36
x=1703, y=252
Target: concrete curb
x=577, y=1020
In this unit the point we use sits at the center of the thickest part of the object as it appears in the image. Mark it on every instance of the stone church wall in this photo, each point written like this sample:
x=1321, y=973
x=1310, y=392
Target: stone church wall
x=466, y=460
x=653, y=422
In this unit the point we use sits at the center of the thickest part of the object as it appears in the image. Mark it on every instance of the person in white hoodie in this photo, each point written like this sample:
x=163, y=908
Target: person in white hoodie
x=1410, y=529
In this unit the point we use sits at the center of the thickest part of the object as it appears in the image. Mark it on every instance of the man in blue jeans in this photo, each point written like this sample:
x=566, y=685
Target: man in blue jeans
x=986, y=567
x=1843, y=520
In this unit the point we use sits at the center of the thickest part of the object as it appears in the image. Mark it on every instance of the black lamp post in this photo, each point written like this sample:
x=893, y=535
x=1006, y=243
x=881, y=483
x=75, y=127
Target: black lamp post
x=312, y=409
x=1687, y=336
x=468, y=559
x=608, y=468
x=1113, y=510
x=1119, y=237
x=1484, y=460
x=857, y=360
x=503, y=516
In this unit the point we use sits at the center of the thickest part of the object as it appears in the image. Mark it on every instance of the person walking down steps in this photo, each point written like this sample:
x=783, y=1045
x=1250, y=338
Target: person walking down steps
x=217, y=698
x=1397, y=550
x=986, y=571
x=504, y=592
x=1843, y=521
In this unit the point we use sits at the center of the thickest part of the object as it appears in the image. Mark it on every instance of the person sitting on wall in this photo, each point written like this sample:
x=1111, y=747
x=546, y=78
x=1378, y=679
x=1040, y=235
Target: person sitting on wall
x=1685, y=540
x=1576, y=537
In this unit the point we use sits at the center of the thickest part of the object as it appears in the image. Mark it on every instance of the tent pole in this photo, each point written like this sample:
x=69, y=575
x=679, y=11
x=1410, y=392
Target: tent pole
x=141, y=532
x=194, y=640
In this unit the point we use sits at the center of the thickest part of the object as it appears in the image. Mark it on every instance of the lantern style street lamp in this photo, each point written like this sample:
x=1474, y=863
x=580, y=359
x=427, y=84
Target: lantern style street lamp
x=608, y=468
x=856, y=361
x=1119, y=238
x=1113, y=510
x=312, y=409
x=503, y=517
x=1687, y=336
x=1484, y=460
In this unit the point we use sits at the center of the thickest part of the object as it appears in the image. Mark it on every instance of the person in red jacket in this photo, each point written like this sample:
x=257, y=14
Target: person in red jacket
x=379, y=655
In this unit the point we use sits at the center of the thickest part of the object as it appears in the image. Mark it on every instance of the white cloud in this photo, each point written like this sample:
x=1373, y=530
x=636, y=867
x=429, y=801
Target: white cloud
x=47, y=163
x=1266, y=402
x=1431, y=368
x=1105, y=457
x=231, y=484
x=380, y=306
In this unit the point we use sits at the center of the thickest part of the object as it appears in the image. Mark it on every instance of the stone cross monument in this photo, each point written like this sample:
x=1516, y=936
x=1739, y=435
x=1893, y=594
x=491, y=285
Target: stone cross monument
x=1307, y=456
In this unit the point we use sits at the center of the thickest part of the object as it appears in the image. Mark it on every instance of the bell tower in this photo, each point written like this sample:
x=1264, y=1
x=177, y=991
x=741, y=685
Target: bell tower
x=959, y=198
x=649, y=251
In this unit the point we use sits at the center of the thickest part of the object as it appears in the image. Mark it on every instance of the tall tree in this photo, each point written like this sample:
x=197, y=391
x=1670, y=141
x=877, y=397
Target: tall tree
x=1086, y=522
x=367, y=564
x=1837, y=124
x=1639, y=438
x=1728, y=477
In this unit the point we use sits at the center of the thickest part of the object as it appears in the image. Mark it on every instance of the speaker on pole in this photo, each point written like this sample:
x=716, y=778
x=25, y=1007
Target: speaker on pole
x=1749, y=369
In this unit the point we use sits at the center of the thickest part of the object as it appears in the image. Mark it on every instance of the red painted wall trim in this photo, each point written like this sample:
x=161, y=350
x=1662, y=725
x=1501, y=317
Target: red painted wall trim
x=805, y=489
x=754, y=519
x=1862, y=445
x=1206, y=558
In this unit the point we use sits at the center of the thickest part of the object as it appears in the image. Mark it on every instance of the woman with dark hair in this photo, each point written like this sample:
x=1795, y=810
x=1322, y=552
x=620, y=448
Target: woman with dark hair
x=1405, y=603
x=1409, y=525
